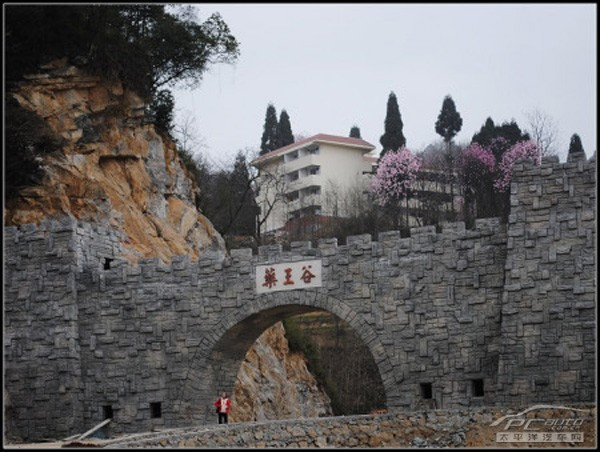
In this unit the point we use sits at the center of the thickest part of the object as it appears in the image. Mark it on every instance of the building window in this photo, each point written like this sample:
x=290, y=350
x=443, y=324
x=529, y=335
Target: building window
x=477, y=387
x=292, y=176
x=107, y=412
x=107, y=261
x=314, y=170
x=310, y=191
x=426, y=391
x=291, y=156
x=155, y=410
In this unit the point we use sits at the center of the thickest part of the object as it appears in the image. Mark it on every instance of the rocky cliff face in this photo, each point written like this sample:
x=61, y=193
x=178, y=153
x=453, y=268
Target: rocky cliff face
x=276, y=384
x=112, y=168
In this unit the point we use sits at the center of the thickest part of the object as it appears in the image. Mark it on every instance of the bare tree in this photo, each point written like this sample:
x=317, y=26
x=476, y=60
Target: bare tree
x=544, y=131
x=189, y=144
x=302, y=135
x=236, y=190
x=186, y=133
x=350, y=210
x=331, y=198
x=270, y=184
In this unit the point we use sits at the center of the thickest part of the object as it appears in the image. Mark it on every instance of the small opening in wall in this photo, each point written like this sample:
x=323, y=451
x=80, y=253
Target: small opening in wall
x=155, y=410
x=107, y=261
x=477, y=387
x=426, y=391
x=107, y=411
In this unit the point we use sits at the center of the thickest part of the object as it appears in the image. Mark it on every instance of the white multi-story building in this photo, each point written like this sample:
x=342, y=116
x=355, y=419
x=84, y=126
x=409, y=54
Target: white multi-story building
x=294, y=180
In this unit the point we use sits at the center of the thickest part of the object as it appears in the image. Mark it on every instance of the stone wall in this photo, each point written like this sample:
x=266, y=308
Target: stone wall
x=42, y=348
x=549, y=300
x=467, y=427
x=452, y=319
x=366, y=431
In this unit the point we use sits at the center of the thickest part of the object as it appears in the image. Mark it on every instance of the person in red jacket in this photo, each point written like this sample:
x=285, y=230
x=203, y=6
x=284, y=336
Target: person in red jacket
x=223, y=406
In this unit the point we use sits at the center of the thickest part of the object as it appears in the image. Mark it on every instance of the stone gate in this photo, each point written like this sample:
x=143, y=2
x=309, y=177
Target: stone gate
x=503, y=314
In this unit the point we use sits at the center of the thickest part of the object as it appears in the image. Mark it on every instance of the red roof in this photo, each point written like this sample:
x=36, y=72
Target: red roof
x=319, y=137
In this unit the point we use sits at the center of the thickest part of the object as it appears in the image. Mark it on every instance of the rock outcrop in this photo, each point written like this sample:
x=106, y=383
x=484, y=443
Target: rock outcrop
x=113, y=167
x=276, y=384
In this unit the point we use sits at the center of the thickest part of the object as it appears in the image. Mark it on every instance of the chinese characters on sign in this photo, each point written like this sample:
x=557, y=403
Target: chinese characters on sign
x=270, y=279
x=288, y=276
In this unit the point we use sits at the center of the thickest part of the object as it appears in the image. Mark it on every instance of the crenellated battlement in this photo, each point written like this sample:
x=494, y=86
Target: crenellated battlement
x=90, y=245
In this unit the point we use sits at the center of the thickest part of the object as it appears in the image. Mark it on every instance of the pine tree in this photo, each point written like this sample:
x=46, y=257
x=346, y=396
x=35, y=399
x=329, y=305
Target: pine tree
x=243, y=212
x=499, y=139
x=485, y=134
x=449, y=122
x=284, y=130
x=512, y=133
x=392, y=139
x=355, y=132
x=575, y=147
x=160, y=111
x=269, y=142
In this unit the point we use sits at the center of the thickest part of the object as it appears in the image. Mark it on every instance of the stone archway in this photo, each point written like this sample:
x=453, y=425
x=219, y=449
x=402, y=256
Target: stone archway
x=221, y=351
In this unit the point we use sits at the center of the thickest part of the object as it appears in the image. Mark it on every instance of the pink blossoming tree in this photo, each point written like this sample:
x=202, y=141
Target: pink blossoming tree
x=396, y=174
x=476, y=162
x=486, y=180
x=394, y=180
x=520, y=152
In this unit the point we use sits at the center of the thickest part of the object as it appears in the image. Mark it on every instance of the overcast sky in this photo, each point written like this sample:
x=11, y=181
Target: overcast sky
x=334, y=65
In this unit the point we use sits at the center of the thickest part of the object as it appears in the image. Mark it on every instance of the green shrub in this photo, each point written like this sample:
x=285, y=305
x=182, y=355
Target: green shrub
x=27, y=139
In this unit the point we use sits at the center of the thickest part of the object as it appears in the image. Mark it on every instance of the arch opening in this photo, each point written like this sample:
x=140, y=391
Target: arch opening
x=228, y=342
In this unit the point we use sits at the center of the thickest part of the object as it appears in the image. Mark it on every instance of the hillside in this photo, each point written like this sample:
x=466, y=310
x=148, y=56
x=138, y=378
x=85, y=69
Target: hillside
x=274, y=383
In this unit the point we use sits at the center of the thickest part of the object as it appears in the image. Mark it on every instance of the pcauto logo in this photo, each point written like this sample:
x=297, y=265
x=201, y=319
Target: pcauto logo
x=522, y=427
